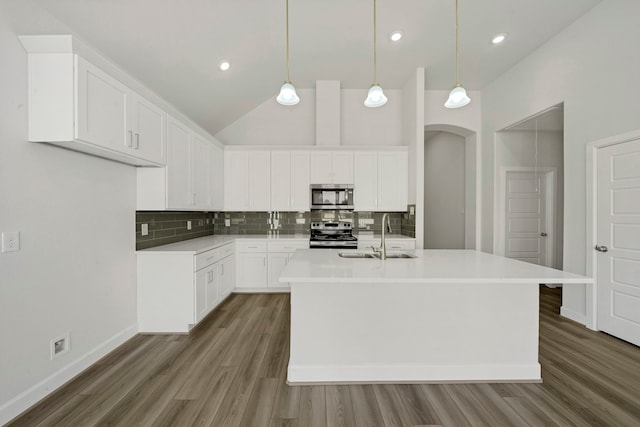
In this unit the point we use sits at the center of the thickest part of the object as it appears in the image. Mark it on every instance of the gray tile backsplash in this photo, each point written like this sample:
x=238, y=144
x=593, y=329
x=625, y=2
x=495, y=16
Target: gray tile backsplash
x=170, y=227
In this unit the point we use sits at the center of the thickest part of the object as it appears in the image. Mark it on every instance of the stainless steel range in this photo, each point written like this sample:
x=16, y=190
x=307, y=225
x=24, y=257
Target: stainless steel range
x=332, y=234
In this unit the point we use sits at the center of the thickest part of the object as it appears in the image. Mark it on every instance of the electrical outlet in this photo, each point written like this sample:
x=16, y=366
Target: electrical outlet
x=300, y=220
x=227, y=222
x=144, y=229
x=10, y=241
x=60, y=345
x=188, y=225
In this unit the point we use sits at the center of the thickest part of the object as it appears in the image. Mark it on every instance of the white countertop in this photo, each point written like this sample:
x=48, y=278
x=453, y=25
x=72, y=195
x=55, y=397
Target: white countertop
x=430, y=266
x=203, y=244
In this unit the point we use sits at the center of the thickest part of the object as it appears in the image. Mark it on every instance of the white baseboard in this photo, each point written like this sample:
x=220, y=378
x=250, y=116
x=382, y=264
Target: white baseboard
x=31, y=396
x=573, y=315
x=412, y=373
x=262, y=290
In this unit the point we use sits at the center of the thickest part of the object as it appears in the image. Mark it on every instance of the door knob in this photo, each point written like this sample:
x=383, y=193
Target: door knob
x=543, y=234
x=601, y=248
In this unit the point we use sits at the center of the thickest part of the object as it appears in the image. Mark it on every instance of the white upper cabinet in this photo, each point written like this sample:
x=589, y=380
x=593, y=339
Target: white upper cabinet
x=332, y=167
x=259, y=181
x=179, y=194
x=381, y=181
x=290, y=180
x=247, y=181
x=76, y=105
x=300, y=161
x=216, y=177
x=281, y=181
x=192, y=179
x=236, y=180
x=365, y=194
x=393, y=181
x=148, y=127
x=201, y=197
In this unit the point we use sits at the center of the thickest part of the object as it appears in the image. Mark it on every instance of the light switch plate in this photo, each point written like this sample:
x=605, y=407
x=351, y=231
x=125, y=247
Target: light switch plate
x=300, y=220
x=10, y=241
x=188, y=225
x=144, y=229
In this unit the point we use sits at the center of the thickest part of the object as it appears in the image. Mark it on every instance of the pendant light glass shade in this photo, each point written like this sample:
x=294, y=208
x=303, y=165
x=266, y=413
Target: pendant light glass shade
x=458, y=95
x=375, y=97
x=287, y=95
x=457, y=98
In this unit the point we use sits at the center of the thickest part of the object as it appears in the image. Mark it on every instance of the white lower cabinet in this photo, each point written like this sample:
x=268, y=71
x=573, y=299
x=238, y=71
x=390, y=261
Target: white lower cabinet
x=260, y=262
x=279, y=254
x=177, y=290
x=251, y=264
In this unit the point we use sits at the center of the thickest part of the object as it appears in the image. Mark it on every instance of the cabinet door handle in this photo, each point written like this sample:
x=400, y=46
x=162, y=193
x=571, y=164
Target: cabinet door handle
x=130, y=142
x=209, y=259
x=137, y=141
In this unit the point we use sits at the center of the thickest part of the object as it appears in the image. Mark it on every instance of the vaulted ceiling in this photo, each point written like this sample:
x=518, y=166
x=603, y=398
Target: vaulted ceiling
x=174, y=46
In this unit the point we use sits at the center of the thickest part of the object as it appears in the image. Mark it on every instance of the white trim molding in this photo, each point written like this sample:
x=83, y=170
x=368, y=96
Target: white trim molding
x=29, y=397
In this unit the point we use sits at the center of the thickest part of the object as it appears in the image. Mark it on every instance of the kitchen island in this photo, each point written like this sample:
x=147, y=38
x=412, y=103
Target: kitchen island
x=444, y=316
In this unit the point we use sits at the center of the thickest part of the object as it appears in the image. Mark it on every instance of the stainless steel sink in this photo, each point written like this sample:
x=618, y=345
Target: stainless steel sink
x=361, y=255
x=356, y=255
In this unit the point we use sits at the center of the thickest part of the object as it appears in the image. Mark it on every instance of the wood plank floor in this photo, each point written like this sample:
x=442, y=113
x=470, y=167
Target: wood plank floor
x=231, y=371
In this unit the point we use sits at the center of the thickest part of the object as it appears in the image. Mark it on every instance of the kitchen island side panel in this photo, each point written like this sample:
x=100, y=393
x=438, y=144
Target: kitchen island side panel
x=413, y=332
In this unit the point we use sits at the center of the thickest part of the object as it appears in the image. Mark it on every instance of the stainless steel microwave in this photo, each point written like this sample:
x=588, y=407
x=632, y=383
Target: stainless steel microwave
x=332, y=196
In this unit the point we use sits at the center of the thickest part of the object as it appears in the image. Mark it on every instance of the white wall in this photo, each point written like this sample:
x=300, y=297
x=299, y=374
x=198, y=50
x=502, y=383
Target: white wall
x=467, y=123
x=444, y=191
x=76, y=214
x=273, y=124
x=517, y=148
x=593, y=67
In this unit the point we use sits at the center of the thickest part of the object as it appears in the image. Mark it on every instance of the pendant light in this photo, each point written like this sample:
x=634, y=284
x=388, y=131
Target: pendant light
x=287, y=95
x=458, y=95
x=375, y=97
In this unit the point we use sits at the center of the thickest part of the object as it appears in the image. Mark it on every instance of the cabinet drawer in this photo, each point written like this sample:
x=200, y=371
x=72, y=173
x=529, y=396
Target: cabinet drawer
x=207, y=258
x=226, y=250
x=287, y=246
x=251, y=246
x=401, y=244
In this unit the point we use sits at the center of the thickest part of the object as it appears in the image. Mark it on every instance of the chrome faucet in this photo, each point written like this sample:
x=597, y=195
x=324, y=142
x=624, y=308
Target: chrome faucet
x=386, y=226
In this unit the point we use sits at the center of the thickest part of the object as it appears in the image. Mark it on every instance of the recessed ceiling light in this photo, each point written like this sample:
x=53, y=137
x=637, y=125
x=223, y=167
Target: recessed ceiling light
x=499, y=38
x=224, y=65
x=395, y=36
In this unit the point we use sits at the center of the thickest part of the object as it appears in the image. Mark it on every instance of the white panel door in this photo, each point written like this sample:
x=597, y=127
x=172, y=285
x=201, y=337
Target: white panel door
x=526, y=236
x=300, y=192
x=280, y=180
x=618, y=230
x=365, y=181
x=178, y=165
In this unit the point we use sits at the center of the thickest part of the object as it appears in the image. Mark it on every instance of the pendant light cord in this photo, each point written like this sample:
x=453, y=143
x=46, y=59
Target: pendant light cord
x=287, y=36
x=375, y=78
x=535, y=167
x=457, y=77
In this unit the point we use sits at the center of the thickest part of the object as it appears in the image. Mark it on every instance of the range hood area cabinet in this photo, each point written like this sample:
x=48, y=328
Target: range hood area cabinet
x=193, y=178
x=332, y=167
x=75, y=105
x=381, y=181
